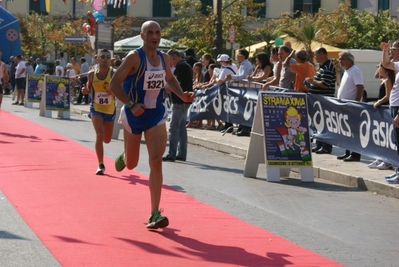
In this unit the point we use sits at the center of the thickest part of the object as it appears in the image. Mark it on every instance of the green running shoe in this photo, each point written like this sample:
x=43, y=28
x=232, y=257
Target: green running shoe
x=156, y=220
x=120, y=162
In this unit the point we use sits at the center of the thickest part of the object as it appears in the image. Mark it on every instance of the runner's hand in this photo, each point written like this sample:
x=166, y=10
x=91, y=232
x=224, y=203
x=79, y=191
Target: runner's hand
x=138, y=109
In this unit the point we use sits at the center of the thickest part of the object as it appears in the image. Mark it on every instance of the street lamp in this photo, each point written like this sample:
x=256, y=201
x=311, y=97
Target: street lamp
x=218, y=41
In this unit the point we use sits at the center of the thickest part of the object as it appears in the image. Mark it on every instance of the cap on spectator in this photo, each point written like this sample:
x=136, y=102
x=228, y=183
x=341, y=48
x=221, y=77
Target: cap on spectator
x=224, y=58
x=68, y=65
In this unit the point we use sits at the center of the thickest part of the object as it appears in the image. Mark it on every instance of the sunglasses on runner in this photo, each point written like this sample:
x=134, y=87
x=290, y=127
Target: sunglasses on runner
x=104, y=56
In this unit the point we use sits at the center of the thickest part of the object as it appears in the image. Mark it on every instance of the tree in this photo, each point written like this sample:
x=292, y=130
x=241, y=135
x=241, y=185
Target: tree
x=196, y=29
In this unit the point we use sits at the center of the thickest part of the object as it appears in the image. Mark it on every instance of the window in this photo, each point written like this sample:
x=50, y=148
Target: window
x=38, y=7
x=307, y=6
x=161, y=8
x=353, y=3
x=383, y=4
x=115, y=12
x=206, y=3
x=262, y=11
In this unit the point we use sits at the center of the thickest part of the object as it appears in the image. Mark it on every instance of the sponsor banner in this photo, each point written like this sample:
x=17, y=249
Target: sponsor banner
x=286, y=129
x=354, y=126
x=35, y=86
x=351, y=125
x=57, y=93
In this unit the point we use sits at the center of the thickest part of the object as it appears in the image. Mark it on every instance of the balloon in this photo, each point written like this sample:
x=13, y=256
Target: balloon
x=86, y=27
x=98, y=16
x=278, y=41
x=97, y=4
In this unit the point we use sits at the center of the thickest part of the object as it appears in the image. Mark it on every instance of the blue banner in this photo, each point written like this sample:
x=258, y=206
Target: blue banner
x=351, y=125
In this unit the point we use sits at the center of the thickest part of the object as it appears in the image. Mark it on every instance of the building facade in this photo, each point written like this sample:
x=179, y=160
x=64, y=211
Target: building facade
x=162, y=8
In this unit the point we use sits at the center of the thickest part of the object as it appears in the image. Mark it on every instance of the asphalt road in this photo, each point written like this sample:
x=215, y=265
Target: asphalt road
x=353, y=227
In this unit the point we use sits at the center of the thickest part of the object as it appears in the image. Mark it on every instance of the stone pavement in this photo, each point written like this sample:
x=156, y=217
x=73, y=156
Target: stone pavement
x=354, y=174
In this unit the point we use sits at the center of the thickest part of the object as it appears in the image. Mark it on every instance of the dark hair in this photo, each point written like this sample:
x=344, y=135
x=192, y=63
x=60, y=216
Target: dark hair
x=391, y=73
x=189, y=52
x=264, y=60
x=244, y=52
x=82, y=59
x=210, y=58
x=104, y=50
x=275, y=51
x=285, y=49
x=321, y=50
x=212, y=66
x=173, y=52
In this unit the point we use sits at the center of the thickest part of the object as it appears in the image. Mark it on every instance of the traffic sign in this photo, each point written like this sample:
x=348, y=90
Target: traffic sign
x=75, y=39
x=232, y=34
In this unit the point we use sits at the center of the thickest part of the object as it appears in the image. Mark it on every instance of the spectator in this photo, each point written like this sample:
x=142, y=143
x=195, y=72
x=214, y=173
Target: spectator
x=190, y=56
x=303, y=68
x=277, y=65
x=206, y=60
x=75, y=66
x=387, y=77
x=59, y=70
x=84, y=69
x=29, y=69
x=13, y=68
x=287, y=76
x=263, y=69
x=61, y=59
x=244, y=71
x=3, y=78
x=20, y=79
x=227, y=68
x=323, y=83
x=198, y=78
x=394, y=96
x=39, y=67
x=177, y=127
x=351, y=88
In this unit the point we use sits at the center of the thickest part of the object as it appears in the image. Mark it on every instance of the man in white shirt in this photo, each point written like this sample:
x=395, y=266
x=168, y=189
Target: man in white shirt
x=351, y=88
x=59, y=70
x=20, y=80
x=244, y=71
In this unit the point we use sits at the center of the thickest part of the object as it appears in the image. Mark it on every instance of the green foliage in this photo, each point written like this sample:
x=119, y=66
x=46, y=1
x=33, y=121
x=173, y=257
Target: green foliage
x=197, y=30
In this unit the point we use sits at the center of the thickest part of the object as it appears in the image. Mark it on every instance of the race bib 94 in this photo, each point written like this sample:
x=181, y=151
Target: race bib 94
x=154, y=80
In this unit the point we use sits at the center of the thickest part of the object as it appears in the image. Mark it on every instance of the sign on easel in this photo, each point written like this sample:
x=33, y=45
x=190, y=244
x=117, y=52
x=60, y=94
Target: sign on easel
x=281, y=126
x=34, y=89
x=56, y=97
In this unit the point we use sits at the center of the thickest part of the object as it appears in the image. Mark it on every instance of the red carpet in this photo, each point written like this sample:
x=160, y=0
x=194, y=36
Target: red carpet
x=89, y=220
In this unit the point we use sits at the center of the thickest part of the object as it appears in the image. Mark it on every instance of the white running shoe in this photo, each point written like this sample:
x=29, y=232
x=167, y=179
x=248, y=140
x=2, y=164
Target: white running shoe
x=384, y=166
x=374, y=164
x=393, y=180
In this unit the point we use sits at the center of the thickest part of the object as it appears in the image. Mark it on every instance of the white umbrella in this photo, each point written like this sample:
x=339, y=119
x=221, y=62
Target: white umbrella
x=134, y=42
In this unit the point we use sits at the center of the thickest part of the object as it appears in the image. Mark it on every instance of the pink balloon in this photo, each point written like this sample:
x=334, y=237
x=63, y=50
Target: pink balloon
x=98, y=5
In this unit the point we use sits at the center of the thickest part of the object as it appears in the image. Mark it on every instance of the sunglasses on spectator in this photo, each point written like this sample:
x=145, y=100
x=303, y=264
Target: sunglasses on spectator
x=393, y=49
x=104, y=56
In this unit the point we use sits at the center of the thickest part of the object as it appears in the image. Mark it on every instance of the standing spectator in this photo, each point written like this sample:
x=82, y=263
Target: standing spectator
x=60, y=57
x=190, y=56
x=243, y=72
x=29, y=68
x=84, y=69
x=323, y=83
x=144, y=111
x=394, y=96
x=387, y=77
x=277, y=65
x=227, y=68
x=32, y=62
x=198, y=78
x=263, y=69
x=39, y=67
x=303, y=68
x=102, y=109
x=177, y=127
x=20, y=80
x=75, y=66
x=3, y=78
x=13, y=69
x=59, y=70
x=351, y=88
x=206, y=60
x=287, y=76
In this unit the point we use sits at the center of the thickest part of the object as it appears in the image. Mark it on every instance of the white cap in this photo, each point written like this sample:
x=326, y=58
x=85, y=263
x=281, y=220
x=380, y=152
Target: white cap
x=68, y=65
x=224, y=58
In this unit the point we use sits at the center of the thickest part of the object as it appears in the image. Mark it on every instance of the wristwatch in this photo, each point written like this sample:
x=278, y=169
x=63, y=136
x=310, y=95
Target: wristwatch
x=130, y=104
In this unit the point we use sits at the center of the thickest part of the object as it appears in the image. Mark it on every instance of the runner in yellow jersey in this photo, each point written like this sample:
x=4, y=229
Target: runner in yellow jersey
x=102, y=106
